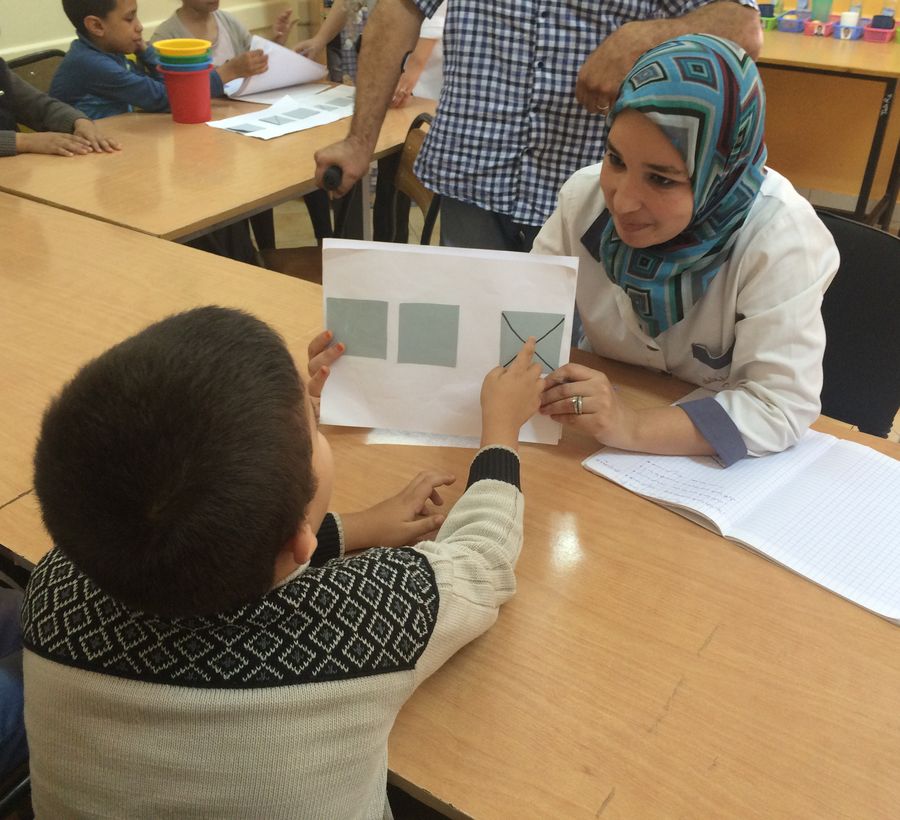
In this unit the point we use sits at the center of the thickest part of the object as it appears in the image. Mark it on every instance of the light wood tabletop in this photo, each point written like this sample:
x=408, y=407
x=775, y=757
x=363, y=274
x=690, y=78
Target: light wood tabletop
x=830, y=54
x=71, y=286
x=646, y=667
x=178, y=181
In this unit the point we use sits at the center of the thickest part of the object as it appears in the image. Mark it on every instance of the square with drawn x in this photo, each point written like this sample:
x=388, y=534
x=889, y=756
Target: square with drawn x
x=547, y=328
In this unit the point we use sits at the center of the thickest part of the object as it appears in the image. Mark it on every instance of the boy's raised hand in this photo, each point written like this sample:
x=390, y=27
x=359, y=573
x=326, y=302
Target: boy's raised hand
x=244, y=65
x=509, y=397
x=401, y=520
x=321, y=354
x=282, y=27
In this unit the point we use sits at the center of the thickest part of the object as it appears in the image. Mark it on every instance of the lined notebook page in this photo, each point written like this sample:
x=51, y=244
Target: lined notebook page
x=838, y=524
x=827, y=509
x=701, y=484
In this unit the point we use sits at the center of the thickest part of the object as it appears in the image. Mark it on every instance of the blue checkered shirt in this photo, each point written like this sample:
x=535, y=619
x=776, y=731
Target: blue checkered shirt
x=509, y=130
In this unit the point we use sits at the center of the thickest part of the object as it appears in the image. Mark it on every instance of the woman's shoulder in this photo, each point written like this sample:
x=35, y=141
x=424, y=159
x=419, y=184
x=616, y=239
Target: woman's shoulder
x=779, y=206
x=583, y=186
x=589, y=175
x=781, y=229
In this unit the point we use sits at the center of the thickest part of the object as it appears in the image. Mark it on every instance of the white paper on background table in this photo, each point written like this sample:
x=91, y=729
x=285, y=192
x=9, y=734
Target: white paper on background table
x=298, y=93
x=423, y=325
x=286, y=68
x=288, y=115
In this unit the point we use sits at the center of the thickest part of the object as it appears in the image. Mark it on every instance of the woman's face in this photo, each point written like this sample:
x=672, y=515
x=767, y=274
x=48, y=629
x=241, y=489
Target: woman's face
x=645, y=182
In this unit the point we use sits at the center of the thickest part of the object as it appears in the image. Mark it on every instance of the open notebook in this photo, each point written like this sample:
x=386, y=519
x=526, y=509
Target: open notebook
x=828, y=509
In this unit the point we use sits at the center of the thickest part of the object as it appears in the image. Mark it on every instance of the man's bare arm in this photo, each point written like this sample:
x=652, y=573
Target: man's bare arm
x=605, y=69
x=391, y=31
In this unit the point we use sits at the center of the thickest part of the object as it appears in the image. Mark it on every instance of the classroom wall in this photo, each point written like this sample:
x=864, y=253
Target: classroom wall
x=32, y=25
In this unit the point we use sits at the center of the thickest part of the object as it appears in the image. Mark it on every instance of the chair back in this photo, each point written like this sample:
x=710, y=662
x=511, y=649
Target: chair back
x=408, y=185
x=861, y=309
x=38, y=68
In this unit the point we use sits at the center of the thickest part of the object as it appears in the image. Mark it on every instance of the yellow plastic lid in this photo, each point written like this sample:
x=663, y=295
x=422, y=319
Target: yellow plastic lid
x=182, y=47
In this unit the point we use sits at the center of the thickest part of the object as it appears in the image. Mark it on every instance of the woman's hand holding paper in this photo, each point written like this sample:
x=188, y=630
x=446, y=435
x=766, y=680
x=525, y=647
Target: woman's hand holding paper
x=585, y=399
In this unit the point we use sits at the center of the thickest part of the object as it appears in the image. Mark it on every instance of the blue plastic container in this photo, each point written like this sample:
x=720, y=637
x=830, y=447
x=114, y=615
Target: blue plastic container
x=189, y=67
x=850, y=32
x=792, y=22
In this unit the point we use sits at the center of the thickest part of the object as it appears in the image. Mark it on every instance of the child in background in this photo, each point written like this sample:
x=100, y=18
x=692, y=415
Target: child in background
x=423, y=71
x=57, y=128
x=95, y=75
x=345, y=20
x=230, y=39
x=223, y=656
x=231, y=52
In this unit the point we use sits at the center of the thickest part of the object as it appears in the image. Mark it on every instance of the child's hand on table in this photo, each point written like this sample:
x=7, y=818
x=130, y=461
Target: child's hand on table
x=401, y=520
x=51, y=142
x=509, y=397
x=87, y=129
x=321, y=354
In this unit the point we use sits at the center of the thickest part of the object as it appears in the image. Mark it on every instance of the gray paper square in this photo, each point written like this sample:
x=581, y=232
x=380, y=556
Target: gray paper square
x=429, y=334
x=361, y=324
x=301, y=113
x=547, y=328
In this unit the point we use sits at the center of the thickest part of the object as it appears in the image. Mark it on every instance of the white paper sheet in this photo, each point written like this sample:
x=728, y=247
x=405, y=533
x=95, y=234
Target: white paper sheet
x=298, y=93
x=398, y=304
x=286, y=68
x=287, y=115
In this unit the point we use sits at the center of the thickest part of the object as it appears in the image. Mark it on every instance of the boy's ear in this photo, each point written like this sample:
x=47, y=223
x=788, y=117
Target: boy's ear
x=94, y=25
x=304, y=543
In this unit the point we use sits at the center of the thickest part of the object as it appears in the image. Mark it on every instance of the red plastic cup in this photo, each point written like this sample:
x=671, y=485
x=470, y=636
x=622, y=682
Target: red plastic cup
x=189, y=96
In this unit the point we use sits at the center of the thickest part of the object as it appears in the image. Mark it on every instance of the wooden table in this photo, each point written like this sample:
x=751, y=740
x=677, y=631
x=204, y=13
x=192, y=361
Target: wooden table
x=646, y=668
x=71, y=286
x=859, y=60
x=179, y=181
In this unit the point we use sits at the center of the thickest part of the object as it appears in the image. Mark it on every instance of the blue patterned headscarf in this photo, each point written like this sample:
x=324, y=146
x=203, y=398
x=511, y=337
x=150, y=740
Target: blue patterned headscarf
x=706, y=95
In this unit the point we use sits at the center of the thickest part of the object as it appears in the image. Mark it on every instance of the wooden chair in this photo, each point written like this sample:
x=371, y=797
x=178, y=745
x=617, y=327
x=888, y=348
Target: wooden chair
x=409, y=188
x=861, y=311
x=392, y=213
x=37, y=68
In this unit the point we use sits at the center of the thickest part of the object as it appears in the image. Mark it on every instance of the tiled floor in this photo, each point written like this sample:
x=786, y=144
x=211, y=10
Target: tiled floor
x=293, y=228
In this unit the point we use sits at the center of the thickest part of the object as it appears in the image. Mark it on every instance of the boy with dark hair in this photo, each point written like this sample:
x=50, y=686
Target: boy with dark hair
x=197, y=643
x=96, y=77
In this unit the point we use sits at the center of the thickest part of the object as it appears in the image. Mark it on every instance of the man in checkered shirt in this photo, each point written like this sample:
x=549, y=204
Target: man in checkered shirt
x=525, y=87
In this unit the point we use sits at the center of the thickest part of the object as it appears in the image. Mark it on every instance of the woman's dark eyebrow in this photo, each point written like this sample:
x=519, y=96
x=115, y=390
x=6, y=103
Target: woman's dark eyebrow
x=666, y=169
x=660, y=169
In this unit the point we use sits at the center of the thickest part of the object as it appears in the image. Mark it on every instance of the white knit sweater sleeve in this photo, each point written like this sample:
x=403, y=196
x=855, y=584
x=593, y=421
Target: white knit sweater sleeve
x=473, y=559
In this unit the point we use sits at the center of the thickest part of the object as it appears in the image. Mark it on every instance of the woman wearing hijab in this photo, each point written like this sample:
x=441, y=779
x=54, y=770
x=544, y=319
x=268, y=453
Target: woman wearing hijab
x=695, y=260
